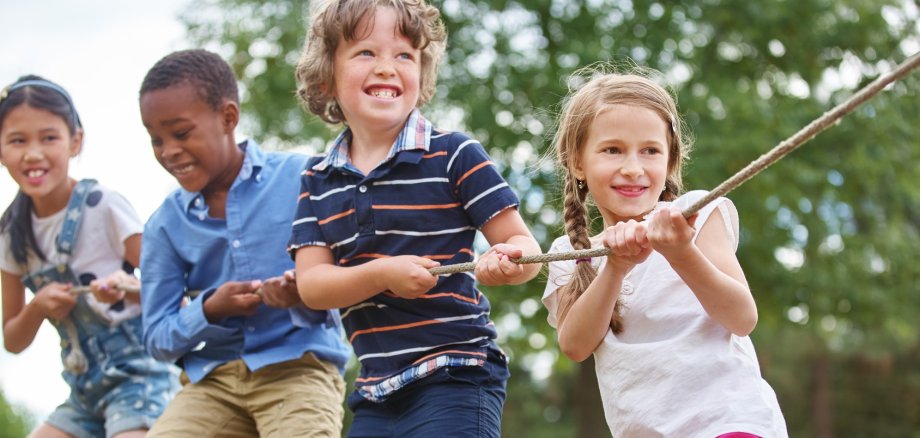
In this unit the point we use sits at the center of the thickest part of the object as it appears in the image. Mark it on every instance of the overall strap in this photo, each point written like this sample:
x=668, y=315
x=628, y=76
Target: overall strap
x=68, y=237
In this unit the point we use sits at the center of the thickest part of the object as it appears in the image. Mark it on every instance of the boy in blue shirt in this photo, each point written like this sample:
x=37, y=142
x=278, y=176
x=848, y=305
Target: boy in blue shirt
x=393, y=197
x=248, y=369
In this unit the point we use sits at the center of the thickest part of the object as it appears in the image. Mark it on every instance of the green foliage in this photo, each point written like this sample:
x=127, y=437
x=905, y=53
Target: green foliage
x=15, y=422
x=830, y=235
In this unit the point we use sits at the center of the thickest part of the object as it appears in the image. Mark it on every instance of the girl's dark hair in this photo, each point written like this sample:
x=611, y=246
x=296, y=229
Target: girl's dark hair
x=43, y=94
x=207, y=72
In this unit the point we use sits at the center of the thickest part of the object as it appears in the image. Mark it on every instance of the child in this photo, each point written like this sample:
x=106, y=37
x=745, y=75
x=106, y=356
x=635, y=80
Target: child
x=676, y=360
x=393, y=197
x=59, y=233
x=248, y=369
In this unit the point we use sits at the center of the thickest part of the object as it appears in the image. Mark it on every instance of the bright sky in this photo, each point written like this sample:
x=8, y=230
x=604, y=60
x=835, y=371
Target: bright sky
x=99, y=51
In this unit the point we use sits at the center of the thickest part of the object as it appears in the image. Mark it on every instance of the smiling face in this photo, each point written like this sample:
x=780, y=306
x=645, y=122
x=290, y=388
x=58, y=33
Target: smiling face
x=190, y=139
x=624, y=161
x=377, y=75
x=36, y=147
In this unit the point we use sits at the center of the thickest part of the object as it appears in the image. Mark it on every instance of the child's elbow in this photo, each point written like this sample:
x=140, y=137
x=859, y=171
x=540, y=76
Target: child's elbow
x=574, y=351
x=576, y=355
x=12, y=347
x=312, y=299
x=745, y=326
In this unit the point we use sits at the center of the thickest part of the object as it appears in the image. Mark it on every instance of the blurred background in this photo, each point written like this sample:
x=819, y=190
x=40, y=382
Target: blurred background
x=830, y=235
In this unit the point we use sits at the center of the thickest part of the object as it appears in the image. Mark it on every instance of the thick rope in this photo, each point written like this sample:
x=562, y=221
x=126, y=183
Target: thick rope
x=126, y=288
x=132, y=289
x=758, y=165
x=755, y=167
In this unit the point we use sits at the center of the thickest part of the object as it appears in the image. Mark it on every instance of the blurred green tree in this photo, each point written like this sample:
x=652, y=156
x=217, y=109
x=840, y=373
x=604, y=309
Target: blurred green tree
x=15, y=422
x=829, y=236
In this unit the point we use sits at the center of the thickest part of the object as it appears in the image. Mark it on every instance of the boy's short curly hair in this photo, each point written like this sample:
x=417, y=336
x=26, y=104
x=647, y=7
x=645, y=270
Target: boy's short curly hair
x=210, y=74
x=332, y=21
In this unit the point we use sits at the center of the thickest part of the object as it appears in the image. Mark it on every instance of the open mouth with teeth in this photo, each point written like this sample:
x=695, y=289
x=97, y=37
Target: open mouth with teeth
x=36, y=173
x=181, y=170
x=383, y=92
x=35, y=176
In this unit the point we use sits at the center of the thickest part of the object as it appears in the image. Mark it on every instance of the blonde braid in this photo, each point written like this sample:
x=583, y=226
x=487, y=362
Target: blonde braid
x=575, y=214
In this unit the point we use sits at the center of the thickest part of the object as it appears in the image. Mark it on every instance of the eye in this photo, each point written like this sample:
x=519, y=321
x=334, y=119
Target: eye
x=365, y=53
x=653, y=150
x=406, y=56
x=182, y=135
x=610, y=150
x=49, y=138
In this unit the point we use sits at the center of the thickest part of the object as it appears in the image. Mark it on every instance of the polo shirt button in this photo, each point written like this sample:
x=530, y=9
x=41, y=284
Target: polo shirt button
x=362, y=189
x=236, y=243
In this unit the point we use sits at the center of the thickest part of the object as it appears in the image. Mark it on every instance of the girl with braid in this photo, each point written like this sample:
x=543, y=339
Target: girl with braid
x=668, y=313
x=57, y=234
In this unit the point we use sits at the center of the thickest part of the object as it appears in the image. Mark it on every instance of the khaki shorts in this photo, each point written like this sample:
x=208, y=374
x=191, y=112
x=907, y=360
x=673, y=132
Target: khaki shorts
x=297, y=398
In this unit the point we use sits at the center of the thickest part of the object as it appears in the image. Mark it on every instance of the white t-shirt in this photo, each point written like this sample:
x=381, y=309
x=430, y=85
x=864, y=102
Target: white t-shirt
x=108, y=220
x=673, y=370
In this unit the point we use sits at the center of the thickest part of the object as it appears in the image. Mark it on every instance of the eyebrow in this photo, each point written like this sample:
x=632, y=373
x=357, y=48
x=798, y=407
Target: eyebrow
x=171, y=122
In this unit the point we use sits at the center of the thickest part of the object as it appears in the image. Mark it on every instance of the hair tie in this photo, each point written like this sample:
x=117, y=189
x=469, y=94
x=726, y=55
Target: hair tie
x=583, y=259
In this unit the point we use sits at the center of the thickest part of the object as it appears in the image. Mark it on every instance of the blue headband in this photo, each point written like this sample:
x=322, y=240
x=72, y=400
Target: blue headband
x=43, y=83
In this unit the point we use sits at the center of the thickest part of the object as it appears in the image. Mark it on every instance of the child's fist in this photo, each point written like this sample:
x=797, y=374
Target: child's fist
x=233, y=298
x=495, y=267
x=106, y=290
x=55, y=300
x=408, y=276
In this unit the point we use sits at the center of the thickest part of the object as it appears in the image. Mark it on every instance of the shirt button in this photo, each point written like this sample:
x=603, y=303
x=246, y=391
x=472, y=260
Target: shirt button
x=362, y=189
x=236, y=243
x=202, y=216
x=198, y=202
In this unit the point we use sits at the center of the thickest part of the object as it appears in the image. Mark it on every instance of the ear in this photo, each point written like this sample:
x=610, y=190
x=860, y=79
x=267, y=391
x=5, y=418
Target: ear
x=577, y=170
x=76, y=143
x=230, y=115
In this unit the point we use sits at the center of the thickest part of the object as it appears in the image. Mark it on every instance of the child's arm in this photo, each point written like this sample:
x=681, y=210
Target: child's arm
x=583, y=328
x=510, y=238
x=21, y=321
x=172, y=329
x=323, y=285
x=710, y=267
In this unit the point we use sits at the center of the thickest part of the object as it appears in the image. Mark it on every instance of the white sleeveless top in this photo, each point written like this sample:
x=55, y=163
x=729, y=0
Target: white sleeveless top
x=674, y=371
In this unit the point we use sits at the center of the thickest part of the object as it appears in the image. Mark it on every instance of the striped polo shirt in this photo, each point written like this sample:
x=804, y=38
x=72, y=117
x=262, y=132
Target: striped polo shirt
x=427, y=198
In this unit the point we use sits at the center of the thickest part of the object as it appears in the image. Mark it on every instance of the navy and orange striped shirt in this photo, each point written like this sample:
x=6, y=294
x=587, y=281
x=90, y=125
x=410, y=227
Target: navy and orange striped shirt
x=428, y=198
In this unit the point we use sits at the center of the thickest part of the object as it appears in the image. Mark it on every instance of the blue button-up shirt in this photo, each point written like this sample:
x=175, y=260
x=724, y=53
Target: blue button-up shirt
x=184, y=249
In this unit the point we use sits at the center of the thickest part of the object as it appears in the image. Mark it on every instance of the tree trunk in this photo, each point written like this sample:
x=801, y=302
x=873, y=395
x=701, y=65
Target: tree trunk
x=821, y=411
x=591, y=422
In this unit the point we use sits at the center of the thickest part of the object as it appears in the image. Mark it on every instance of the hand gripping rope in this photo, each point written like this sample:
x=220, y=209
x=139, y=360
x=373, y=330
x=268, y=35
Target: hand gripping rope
x=756, y=166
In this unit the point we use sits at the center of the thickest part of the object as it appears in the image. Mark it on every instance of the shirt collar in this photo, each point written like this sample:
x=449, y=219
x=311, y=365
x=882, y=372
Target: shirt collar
x=253, y=161
x=416, y=134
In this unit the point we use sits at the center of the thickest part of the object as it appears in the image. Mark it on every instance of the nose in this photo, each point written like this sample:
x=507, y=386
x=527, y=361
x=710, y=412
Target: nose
x=33, y=153
x=631, y=166
x=384, y=68
x=168, y=151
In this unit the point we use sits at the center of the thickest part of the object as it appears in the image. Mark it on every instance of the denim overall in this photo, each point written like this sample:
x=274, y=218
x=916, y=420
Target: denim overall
x=114, y=382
